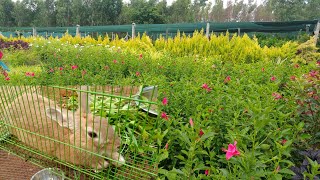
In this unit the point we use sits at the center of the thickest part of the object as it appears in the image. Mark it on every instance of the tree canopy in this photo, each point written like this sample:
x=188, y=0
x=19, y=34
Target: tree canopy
x=44, y=13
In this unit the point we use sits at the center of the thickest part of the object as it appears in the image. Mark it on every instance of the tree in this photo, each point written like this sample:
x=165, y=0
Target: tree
x=6, y=13
x=288, y=10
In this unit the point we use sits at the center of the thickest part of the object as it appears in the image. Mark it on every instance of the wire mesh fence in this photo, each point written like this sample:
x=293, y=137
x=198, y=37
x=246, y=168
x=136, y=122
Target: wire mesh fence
x=97, y=132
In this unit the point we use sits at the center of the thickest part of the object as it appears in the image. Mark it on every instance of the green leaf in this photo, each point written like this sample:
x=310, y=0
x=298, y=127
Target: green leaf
x=286, y=171
x=207, y=135
x=163, y=156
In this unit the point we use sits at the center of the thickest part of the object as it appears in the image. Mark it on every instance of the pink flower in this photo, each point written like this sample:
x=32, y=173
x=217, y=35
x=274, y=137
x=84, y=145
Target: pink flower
x=206, y=172
x=166, y=146
x=313, y=73
x=164, y=101
x=1, y=55
x=27, y=74
x=140, y=56
x=51, y=70
x=32, y=74
x=7, y=79
x=114, y=61
x=232, y=150
x=227, y=79
x=276, y=96
x=201, y=133
x=293, y=78
x=164, y=116
x=273, y=78
x=73, y=67
x=262, y=69
x=206, y=87
x=191, y=122
x=138, y=73
x=60, y=68
x=5, y=73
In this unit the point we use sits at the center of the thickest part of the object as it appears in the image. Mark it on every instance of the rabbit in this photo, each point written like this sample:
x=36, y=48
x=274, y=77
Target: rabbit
x=37, y=122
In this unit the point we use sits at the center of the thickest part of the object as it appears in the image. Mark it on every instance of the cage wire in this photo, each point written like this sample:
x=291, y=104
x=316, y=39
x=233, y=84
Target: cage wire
x=87, y=132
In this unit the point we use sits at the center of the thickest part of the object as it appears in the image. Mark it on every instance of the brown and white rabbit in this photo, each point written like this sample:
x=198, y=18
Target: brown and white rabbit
x=70, y=136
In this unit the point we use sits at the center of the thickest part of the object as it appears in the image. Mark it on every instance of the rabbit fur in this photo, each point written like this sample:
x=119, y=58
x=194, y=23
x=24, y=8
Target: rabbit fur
x=38, y=117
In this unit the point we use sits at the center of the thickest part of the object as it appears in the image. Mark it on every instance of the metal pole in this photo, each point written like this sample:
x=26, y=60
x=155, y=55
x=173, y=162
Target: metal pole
x=78, y=30
x=133, y=30
x=207, y=30
x=316, y=33
x=34, y=32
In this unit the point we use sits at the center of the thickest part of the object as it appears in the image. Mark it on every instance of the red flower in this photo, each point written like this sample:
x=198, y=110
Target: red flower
x=232, y=150
x=201, y=133
x=276, y=96
x=7, y=79
x=138, y=73
x=60, y=68
x=30, y=74
x=5, y=73
x=114, y=61
x=140, y=56
x=164, y=116
x=1, y=55
x=262, y=69
x=191, y=122
x=164, y=101
x=273, y=78
x=206, y=87
x=227, y=79
x=283, y=141
x=206, y=172
x=73, y=67
x=293, y=78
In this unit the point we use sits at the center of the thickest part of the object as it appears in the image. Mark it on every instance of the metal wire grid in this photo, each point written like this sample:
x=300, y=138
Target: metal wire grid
x=138, y=165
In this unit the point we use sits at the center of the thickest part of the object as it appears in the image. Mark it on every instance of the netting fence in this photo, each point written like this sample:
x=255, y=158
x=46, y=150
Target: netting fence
x=100, y=132
x=166, y=30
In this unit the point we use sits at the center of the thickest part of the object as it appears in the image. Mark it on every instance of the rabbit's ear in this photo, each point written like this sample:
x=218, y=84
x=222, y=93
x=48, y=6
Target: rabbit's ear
x=84, y=100
x=60, y=118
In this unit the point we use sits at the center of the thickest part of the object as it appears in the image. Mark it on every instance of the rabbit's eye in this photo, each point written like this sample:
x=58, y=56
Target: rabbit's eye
x=92, y=134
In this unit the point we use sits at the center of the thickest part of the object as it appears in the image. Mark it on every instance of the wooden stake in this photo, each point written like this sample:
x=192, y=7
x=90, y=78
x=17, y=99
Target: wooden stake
x=316, y=33
x=207, y=30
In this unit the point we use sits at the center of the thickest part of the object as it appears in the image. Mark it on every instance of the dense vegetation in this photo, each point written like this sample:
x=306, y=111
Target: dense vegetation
x=223, y=95
x=43, y=13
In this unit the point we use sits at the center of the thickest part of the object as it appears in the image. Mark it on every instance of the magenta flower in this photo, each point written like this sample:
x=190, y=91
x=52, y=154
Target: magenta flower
x=191, y=122
x=313, y=73
x=1, y=55
x=206, y=172
x=164, y=116
x=206, y=87
x=164, y=101
x=273, y=78
x=276, y=96
x=31, y=74
x=227, y=79
x=232, y=150
x=73, y=67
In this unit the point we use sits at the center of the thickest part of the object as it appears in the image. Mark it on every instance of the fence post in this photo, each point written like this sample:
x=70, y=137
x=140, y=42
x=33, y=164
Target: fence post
x=207, y=30
x=238, y=31
x=316, y=32
x=133, y=30
x=78, y=30
x=34, y=32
